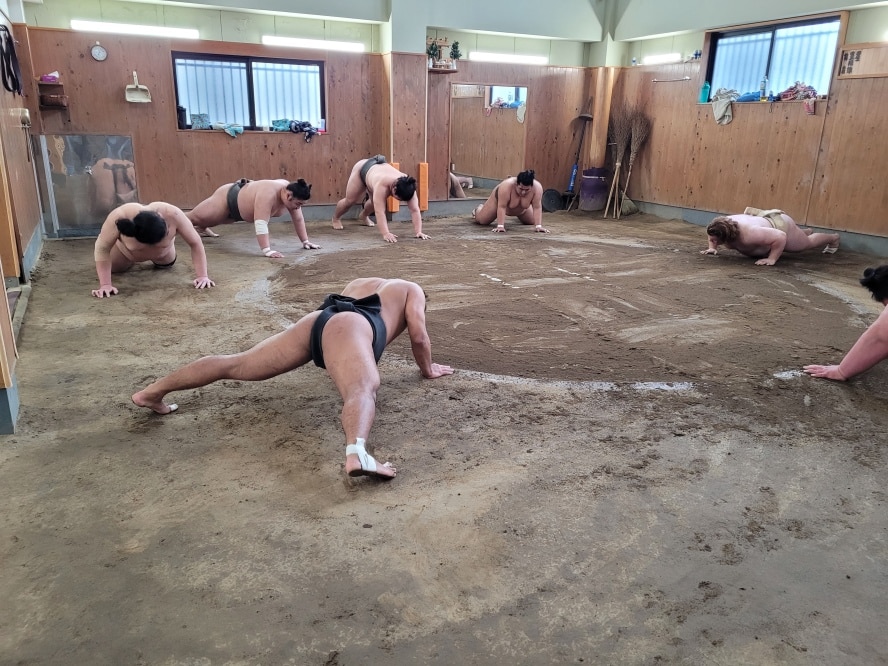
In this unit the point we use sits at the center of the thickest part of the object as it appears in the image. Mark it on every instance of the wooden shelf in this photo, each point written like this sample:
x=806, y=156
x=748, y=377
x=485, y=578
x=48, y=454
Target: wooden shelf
x=49, y=90
x=443, y=70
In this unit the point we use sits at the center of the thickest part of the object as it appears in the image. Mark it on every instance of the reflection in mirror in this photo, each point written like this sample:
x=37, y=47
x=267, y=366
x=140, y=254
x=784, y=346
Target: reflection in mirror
x=487, y=137
x=86, y=177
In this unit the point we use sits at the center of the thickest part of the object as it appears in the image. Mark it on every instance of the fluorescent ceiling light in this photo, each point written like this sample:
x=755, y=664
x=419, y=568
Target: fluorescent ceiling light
x=485, y=56
x=663, y=59
x=132, y=29
x=272, y=40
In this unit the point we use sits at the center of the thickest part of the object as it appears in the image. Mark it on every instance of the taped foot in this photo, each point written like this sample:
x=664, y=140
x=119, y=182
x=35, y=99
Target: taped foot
x=367, y=464
x=158, y=407
x=830, y=249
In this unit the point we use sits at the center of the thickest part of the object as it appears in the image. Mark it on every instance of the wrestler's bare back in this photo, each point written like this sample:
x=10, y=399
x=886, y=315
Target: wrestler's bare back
x=264, y=195
x=756, y=235
x=392, y=293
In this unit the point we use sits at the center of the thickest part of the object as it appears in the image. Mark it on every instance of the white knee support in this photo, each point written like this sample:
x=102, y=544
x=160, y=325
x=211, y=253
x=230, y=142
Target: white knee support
x=261, y=227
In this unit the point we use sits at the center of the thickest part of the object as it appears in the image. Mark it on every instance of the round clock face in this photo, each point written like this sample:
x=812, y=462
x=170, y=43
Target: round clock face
x=99, y=52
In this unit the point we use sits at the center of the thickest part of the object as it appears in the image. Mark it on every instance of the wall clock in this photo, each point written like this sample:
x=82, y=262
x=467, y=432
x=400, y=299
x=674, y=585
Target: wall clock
x=98, y=52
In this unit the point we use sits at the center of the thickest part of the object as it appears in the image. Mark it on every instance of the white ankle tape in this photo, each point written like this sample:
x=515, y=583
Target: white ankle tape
x=353, y=448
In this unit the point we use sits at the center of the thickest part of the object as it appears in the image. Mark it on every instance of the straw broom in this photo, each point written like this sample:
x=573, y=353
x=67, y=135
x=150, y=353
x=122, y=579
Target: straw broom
x=640, y=127
x=619, y=131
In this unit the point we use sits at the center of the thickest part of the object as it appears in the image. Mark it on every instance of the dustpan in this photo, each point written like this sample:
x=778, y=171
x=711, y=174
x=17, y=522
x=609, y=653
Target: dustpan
x=136, y=92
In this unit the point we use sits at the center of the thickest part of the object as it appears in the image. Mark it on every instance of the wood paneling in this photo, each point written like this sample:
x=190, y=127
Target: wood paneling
x=18, y=164
x=184, y=166
x=409, y=110
x=823, y=169
x=849, y=190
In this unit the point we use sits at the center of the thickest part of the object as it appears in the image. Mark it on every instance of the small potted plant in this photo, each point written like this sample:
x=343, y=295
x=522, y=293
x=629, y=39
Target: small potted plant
x=433, y=52
x=455, y=54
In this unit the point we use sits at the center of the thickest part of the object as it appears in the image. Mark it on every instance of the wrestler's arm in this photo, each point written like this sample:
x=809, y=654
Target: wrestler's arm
x=416, y=217
x=502, y=200
x=198, y=255
x=379, y=196
x=776, y=241
x=712, y=248
x=107, y=237
x=537, y=206
x=414, y=312
x=261, y=217
x=299, y=225
x=871, y=348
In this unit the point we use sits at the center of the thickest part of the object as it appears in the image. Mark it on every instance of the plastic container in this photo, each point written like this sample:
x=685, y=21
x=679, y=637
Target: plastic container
x=593, y=189
x=763, y=90
x=704, y=93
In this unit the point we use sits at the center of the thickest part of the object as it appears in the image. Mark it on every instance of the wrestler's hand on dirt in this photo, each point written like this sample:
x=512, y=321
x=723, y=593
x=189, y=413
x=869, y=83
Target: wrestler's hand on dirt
x=709, y=251
x=766, y=262
x=422, y=236
x=826, y=372
x=390, y=238
x=203, y=283
x=499, y=229
x=307, y=245
x=105, y=290
x=438, y=370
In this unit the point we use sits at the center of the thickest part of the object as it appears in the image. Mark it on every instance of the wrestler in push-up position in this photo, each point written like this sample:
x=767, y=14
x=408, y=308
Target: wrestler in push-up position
x=346, y=335
x=765, y=234
x=256, y=201
x=520, y=196
x=136, y=232
x=370, y=182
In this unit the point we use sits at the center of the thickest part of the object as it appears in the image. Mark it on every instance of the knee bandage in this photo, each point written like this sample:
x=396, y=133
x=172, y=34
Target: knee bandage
x=261, y=227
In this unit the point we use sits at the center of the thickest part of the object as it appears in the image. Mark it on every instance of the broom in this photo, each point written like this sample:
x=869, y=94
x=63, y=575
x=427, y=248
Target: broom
x=619, y=131
x=640, y=127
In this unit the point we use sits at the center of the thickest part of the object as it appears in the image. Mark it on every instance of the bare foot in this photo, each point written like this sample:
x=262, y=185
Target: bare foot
x=366, y=221
x=206, y=232
x=363, y=464
x=833, y=247
x=337, y=225
x=140, y=399
x=475, y=211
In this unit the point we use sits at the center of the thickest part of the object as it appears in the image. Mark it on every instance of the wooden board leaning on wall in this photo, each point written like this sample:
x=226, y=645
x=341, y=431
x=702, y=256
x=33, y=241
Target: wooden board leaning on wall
x=860, y=61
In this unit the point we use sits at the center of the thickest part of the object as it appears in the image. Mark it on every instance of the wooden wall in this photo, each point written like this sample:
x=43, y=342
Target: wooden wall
x=825, y=170
x=185, y=166
x=555, y=97
x=17, y=158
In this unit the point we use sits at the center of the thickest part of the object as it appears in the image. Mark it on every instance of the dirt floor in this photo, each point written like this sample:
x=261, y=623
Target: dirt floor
x=626, y=468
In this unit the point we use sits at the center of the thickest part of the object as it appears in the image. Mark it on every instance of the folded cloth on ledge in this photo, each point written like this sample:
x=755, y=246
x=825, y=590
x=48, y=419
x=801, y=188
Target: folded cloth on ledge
x=231, y=129
x=721, y=109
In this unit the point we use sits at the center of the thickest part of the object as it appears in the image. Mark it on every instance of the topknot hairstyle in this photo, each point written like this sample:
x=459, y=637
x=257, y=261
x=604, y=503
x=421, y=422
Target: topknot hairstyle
x=147, y=227
x=405, y=188
x=525, y=177
x=876, y=280
x=300, y=190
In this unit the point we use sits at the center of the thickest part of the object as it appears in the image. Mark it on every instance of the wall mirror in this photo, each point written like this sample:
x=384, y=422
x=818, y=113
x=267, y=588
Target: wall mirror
x=487, y=137
x=84, y=177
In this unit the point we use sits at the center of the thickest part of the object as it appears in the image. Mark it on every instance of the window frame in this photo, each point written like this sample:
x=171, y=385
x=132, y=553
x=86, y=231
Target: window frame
x=248, y=61
x=713, y=37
